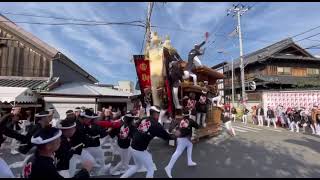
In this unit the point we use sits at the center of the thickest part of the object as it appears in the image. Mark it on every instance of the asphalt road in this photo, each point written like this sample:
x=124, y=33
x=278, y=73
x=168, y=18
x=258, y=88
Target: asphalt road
x=254, y=152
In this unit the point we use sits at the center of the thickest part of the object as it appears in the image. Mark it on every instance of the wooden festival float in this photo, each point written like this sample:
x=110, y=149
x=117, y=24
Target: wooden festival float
x=152, y=71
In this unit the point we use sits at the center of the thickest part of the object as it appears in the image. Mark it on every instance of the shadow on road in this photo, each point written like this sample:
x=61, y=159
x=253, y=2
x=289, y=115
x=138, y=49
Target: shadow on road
x=306, y=142
x=236, y=158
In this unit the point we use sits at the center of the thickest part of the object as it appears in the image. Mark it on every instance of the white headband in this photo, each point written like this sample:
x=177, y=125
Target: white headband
x=69, y=113
x=59, y=126
x=86, y=116
x=39, y=140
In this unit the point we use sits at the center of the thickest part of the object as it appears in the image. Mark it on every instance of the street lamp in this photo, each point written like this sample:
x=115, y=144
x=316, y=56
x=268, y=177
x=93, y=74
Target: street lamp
x=232, y=74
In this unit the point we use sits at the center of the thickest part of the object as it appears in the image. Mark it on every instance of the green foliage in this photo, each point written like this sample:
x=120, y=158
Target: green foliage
x=307, y=84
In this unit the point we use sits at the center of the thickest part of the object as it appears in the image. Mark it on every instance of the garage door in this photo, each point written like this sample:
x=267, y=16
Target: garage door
x=61, y=108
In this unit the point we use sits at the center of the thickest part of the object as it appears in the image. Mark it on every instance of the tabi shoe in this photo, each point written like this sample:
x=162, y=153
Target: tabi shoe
x=192, y=164
x=204, y=125
x=168, y=171
x=116, y=173
x=14, y=152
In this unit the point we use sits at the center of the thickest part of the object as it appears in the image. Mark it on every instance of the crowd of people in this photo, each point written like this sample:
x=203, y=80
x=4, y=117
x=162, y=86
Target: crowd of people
x=292, y=118
x=53, y=147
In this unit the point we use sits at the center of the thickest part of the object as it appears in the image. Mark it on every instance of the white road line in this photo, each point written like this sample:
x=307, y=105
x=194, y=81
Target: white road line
x=245, y=129
x=251, y=128
x=239, y=129
x=277, y=130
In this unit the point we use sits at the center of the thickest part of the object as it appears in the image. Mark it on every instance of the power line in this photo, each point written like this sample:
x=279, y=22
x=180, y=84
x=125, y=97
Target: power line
x=60, y=18
x=308, y=37
x=313, y=40
x=130, y=23
x=305, y=31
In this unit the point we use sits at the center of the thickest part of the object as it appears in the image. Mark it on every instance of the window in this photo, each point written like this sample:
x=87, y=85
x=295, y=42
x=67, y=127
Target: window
x=312, y=71
x=284, y=70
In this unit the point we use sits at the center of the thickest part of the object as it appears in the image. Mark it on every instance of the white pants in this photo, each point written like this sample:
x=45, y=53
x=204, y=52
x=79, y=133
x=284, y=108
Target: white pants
x=176, y=99
x=293, y=124
x=244, y=118
x=201, y=119
x=98, y=155
x=85, y=155
x=125, y=156
x=141, y=159
x=318, y=129
x=273, y=121
x=233, y=117
x=313, y=129
x=5, y=171
x=162, y=116
x=229, y=127
x=187, y=74
x=304, y=125
x=197, y=61
x=182, y=144
x=260, y=120
x=148, y=110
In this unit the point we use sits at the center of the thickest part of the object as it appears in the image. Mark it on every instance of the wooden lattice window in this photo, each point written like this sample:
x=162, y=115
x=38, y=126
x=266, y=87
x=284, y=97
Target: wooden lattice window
x=284, y=70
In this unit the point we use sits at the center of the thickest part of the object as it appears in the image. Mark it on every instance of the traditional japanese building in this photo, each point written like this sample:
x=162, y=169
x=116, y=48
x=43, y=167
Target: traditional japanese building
x=34, y=74
x=283, y=66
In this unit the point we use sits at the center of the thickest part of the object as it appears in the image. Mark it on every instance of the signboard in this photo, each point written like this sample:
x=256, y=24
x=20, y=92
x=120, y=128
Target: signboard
x=291, y=98
x=143, y=71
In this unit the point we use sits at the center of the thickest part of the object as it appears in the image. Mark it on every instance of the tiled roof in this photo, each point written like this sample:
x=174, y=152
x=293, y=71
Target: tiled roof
x=269, y=51
x=32, y=84
x=82, y=88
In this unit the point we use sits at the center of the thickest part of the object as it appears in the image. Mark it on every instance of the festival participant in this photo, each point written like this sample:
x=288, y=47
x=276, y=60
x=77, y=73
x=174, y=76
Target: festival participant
x=77, y=112
x=245, y=115
x=43, y=119
x=202, y=109
x=71, y=144
x=271, y=117
x=53, y=120
x=9, y=126
x=147, y=129
x=94, y=132
x=69, y=114
x=41, y=164
x=314, y=113
x=260, y=114
x=304, y=120
x=193, y=61
x=233, y=114
x=183, y=133
x=227, y=122
x=295, y=120
x=124, y=135
x=191, y=105
x=253, y=114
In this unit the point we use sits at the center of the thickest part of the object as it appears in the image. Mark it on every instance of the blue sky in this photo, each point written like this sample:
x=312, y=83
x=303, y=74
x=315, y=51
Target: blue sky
x=105, y=51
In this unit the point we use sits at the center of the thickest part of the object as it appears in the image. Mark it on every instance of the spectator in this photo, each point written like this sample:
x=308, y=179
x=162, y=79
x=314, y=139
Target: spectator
x=234, y=113
x=245, y=115
x=271, y=117
x=260, y=115
x=253, y=115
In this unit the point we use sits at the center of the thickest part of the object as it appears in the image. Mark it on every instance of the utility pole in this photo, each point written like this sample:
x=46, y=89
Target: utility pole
x=232, y=82
x=148, y=26
x=239, y=10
